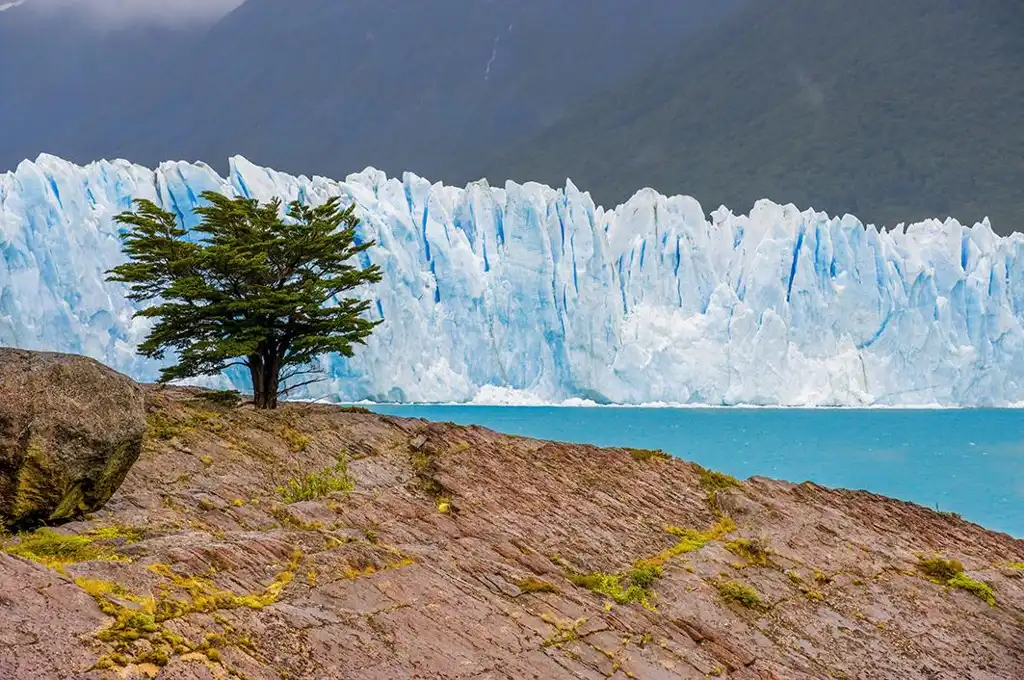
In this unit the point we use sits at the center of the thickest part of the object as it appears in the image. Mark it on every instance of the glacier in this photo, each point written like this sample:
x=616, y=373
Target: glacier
x=531, y=290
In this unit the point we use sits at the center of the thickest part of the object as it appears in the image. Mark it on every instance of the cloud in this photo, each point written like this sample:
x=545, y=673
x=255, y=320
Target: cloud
x=121, y=12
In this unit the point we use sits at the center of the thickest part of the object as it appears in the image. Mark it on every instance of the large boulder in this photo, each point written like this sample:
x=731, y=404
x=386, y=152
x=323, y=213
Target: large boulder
x=70, y=429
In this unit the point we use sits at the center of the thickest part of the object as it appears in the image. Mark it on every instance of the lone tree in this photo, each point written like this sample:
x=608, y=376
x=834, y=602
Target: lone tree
x=249, y=288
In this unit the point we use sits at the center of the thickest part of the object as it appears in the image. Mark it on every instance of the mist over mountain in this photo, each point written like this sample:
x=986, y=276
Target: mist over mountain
x=892, y=111
x=328, y=87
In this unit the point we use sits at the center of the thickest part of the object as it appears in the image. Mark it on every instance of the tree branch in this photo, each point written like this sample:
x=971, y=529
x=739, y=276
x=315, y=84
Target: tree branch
x=281, y=393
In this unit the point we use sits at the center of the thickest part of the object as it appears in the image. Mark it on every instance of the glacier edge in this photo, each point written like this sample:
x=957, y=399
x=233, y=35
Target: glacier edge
x=536, y=290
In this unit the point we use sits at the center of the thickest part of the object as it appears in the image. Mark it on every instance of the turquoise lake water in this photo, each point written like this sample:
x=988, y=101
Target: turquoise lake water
x=965, y=461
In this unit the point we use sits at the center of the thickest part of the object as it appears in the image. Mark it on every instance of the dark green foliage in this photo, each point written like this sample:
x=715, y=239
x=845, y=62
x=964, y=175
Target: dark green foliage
x=256, y=290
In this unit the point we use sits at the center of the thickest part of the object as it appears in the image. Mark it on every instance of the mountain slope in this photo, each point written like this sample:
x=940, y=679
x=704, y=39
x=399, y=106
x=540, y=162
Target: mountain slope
x=328, y=87
x=889, y=110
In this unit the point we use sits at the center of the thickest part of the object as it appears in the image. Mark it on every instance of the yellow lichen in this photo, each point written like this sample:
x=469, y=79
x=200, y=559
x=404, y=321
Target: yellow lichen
x=57, y=550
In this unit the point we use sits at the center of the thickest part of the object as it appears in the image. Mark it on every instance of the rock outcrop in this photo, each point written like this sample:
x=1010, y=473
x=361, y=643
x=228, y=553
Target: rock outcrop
x=70, y=429
x=318, y=543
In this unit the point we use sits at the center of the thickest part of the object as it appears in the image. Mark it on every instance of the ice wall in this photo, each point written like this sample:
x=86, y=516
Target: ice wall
x=535, y=289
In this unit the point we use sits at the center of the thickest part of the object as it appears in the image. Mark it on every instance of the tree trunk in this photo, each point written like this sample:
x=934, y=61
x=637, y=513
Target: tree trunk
x=265, y=372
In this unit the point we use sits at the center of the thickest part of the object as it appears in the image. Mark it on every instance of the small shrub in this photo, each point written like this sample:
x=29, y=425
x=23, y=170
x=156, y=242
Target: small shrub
x=317, y=484
x=712, y=481
x=741, y=593
x=648, y=454
x=978, y=588
x=644, y=574
x=536, y=585
x=754, y=550
x=939, y=569
x=224, y=398
x=611, y=586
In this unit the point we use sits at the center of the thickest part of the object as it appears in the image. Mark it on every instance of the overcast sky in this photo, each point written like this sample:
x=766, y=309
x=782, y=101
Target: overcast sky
x=129, y=11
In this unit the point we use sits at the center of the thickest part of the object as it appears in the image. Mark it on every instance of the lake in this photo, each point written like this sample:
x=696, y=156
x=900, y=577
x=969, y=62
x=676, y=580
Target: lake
x=965, y=461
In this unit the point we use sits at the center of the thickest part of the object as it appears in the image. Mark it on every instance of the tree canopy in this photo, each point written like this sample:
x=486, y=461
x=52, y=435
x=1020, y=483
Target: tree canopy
x=249, y=287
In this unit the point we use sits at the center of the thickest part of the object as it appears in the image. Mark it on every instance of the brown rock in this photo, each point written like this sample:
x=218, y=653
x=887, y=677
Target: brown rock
x=381, y=583
x=70, y=429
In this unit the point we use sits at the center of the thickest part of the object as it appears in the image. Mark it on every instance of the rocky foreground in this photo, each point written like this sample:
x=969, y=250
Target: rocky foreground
x=318, y=543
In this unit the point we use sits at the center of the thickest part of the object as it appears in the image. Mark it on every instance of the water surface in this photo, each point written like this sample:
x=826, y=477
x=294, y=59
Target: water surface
x=966, y=461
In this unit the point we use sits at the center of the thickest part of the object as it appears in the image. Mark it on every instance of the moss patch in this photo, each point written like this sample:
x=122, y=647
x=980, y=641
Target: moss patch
x=740, y=593
x=979, y=589
x=297, y=442
x=618, y=587
x=691, y=540
x=635, y=585
x=938, y=569
x=754, y=551
x=951, y=573
x=648, y=454
x=56, y=550
x=138, y=634
x=536, y=585
x=716, y=481
x=318, y=484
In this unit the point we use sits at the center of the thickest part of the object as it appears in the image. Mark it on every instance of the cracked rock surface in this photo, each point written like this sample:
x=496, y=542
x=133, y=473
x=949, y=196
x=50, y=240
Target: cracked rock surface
x=318, y=543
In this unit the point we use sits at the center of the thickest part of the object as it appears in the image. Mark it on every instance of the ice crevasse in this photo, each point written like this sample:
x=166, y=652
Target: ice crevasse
x=528, y=290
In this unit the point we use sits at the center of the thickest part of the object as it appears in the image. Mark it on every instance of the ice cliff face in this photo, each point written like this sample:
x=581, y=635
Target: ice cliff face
x=534, y=289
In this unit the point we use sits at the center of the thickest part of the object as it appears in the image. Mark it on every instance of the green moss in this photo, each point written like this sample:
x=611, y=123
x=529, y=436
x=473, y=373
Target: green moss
x=754, y=551
x=716, y=481
x=160, y=426
x=55, y=550
x=1016, y=565
x=297, y=442
x=740, y=593
x=980, y=589
x=692, y=540
x=318, y=484
x=644, y=574
x=536, y=585
x=951, y=573
x=648, y=454
x=938, y=569
x=632, y=587
x=117, y=531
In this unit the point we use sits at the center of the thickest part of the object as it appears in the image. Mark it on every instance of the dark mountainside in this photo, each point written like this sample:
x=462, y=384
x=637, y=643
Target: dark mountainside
x=329, y=87
x=893, y=111
x=316, y=543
